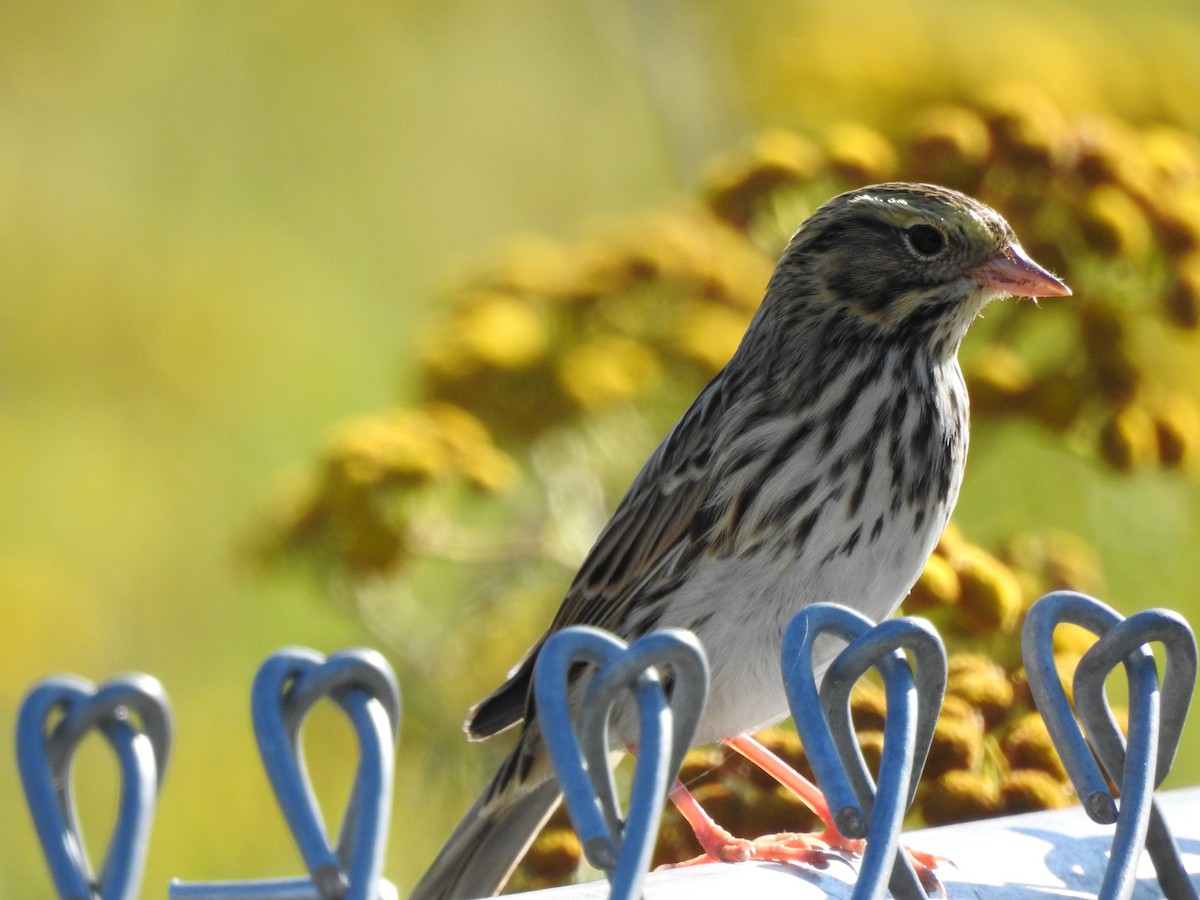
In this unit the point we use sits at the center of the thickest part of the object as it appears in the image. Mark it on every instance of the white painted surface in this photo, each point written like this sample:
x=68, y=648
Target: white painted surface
x=1058, y=853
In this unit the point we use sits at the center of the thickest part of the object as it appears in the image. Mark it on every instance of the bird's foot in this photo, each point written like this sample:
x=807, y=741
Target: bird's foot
x=924, y=864
x=839, y=846
x=809, y=849
x=815, y=850
x=719, y=845
x=835, y=840
x=806, y=849
x=723, y=847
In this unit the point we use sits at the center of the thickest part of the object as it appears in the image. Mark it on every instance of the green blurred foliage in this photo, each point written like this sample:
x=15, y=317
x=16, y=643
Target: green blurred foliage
x=224, y=228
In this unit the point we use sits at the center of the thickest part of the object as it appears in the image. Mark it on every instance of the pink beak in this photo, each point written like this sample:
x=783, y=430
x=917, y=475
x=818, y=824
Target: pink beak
x=1011, y=271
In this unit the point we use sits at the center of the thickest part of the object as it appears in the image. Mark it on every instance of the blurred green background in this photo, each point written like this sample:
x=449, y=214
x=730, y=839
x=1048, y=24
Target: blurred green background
x=222, y=224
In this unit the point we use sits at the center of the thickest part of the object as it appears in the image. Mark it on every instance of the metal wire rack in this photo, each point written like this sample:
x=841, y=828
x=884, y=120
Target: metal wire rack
x=1092, y=851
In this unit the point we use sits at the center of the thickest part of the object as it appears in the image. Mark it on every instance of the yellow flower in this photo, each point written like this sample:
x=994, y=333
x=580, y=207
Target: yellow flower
x=470, y=448
x=1128, y=439
x=1056, y=398
x=710, y=333
x=950, y=542
x=868, y=705
x=494, y=329
x=1177, y=428
x=998, y=380
x=737, y=273
x=555, y=855
x=957, y=744
x=991, y=594
x=531, y=266
x=959, y=796
x=1054, y=560
x=699, y=762
x=668, y=247
x=414, y=446
x=738, y=182
x=1174, y=155
x=1177, y=219
x=860, y=154
x=1028, y=746
x=1102, y=329
x=981, y=682
x=938, y=586
x=397, y=445
x=950, y=146
x=1113, y=224
x=1028, y=790
x=606, y=370
x=1110, y=152
x=1182, y=301
x=1029, y=130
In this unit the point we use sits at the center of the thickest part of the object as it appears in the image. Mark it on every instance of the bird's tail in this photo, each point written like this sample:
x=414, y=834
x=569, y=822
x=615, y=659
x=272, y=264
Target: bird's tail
x=489, y=841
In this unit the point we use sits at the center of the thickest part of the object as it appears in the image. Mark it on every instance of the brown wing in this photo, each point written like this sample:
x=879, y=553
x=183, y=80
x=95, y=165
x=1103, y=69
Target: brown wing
x=636, y=559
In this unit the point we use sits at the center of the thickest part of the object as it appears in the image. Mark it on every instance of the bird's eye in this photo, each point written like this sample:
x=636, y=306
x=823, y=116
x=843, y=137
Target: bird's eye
x=925, y=239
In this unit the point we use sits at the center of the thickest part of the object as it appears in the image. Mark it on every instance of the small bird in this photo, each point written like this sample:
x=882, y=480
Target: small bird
x=820, y=464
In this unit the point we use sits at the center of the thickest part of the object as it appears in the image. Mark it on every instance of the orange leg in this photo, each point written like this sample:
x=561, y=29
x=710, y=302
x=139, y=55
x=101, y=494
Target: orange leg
x=721, y=846
x=810, y=795
x=807, y=792
x=718, y=844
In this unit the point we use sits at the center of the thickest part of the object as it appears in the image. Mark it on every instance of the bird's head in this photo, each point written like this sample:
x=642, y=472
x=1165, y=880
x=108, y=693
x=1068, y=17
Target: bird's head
x=904, y=259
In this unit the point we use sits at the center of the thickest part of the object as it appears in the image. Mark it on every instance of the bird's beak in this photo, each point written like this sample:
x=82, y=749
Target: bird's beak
x=1011, y=271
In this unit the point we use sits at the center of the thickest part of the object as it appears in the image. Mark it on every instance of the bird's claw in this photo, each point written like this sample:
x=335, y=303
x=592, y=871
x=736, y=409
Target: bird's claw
x=814, y=850
x=731, y=849
x=930, y=882
x=924, y=864
x=805, y=849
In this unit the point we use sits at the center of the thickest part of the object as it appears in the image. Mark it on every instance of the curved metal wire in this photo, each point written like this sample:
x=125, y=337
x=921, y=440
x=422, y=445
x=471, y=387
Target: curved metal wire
x=1156, y=720
x=860, y=807
x=586, y=792
x=133, y=715
x=285, y=690
x=301, y=888
x=665, y=674
x=621, y=846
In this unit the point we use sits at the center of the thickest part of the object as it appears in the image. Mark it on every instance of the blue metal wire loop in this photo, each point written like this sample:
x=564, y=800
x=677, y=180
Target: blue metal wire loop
x=133, y=715
x=285, y=689
x=580, y=752
x=860, y=808
x=1156, y=720
x=595, y=695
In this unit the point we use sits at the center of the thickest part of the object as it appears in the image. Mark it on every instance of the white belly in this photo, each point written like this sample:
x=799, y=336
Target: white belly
x=849, y=515
x=740, y=606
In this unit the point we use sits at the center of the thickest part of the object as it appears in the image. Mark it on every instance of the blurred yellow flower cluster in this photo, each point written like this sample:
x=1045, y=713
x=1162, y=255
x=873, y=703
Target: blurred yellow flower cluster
x=551, y=337
x=354, y=507
x=1113, y=208
x=550, y=331
x=991, y=753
